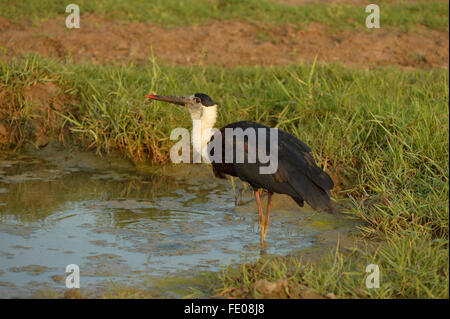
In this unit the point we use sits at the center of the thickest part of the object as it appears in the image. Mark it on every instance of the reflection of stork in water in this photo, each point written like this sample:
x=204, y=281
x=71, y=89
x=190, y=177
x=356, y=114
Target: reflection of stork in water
x=297, y=175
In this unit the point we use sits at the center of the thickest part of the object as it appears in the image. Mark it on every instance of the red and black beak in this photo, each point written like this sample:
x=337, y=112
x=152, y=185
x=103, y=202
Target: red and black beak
x=180, y=100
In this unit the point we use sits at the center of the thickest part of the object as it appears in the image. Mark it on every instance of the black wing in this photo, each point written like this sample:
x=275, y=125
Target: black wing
x=297, y=174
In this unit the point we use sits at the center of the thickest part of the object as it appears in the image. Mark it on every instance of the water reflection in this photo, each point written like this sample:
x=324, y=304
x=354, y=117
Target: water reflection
x=126, y=225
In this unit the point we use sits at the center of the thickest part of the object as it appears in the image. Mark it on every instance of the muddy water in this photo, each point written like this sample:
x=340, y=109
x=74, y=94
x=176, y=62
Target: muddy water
x=126, y=225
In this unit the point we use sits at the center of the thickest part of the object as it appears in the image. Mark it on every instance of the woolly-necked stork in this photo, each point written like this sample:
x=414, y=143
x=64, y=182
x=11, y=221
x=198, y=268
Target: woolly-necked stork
x=297, y=175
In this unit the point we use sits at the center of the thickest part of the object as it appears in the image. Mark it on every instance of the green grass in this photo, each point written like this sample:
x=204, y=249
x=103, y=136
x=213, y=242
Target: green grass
x=409, y=266
x=398, y=15
x=386, y=130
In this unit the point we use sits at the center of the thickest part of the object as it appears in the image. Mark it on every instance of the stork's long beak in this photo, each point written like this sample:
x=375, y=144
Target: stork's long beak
x=180, y=100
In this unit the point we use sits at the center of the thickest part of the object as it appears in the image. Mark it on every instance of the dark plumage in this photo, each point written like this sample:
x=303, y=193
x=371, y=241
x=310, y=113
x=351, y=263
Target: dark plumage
x=297, y=176
x=205, y=99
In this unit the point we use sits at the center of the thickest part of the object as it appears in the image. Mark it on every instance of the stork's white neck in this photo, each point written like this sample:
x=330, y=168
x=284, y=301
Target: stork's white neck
x=202, y=123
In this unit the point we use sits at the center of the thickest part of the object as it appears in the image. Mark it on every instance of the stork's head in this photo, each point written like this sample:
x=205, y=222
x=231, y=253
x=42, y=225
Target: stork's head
x=199, y=105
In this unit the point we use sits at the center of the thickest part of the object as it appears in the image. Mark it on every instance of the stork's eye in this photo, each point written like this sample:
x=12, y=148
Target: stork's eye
x=197, y=100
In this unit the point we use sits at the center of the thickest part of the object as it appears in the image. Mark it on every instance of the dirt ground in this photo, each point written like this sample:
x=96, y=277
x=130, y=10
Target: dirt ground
x=47, y=99
x=227, y=43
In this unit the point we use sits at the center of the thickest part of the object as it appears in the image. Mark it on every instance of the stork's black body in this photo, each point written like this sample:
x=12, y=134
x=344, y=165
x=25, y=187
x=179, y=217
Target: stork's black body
x=297, y=175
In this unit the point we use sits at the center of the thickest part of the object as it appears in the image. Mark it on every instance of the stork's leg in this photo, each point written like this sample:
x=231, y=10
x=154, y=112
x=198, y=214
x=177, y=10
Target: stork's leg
x=261, y=218
x=266, y=225
x=260, y=210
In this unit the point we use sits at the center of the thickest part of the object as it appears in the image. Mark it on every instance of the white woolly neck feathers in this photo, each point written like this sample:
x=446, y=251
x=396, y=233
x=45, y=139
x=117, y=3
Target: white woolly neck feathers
x=203, y=121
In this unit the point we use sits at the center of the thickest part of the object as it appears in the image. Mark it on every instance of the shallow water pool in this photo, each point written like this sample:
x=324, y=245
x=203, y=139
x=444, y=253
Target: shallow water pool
x=122, y=224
